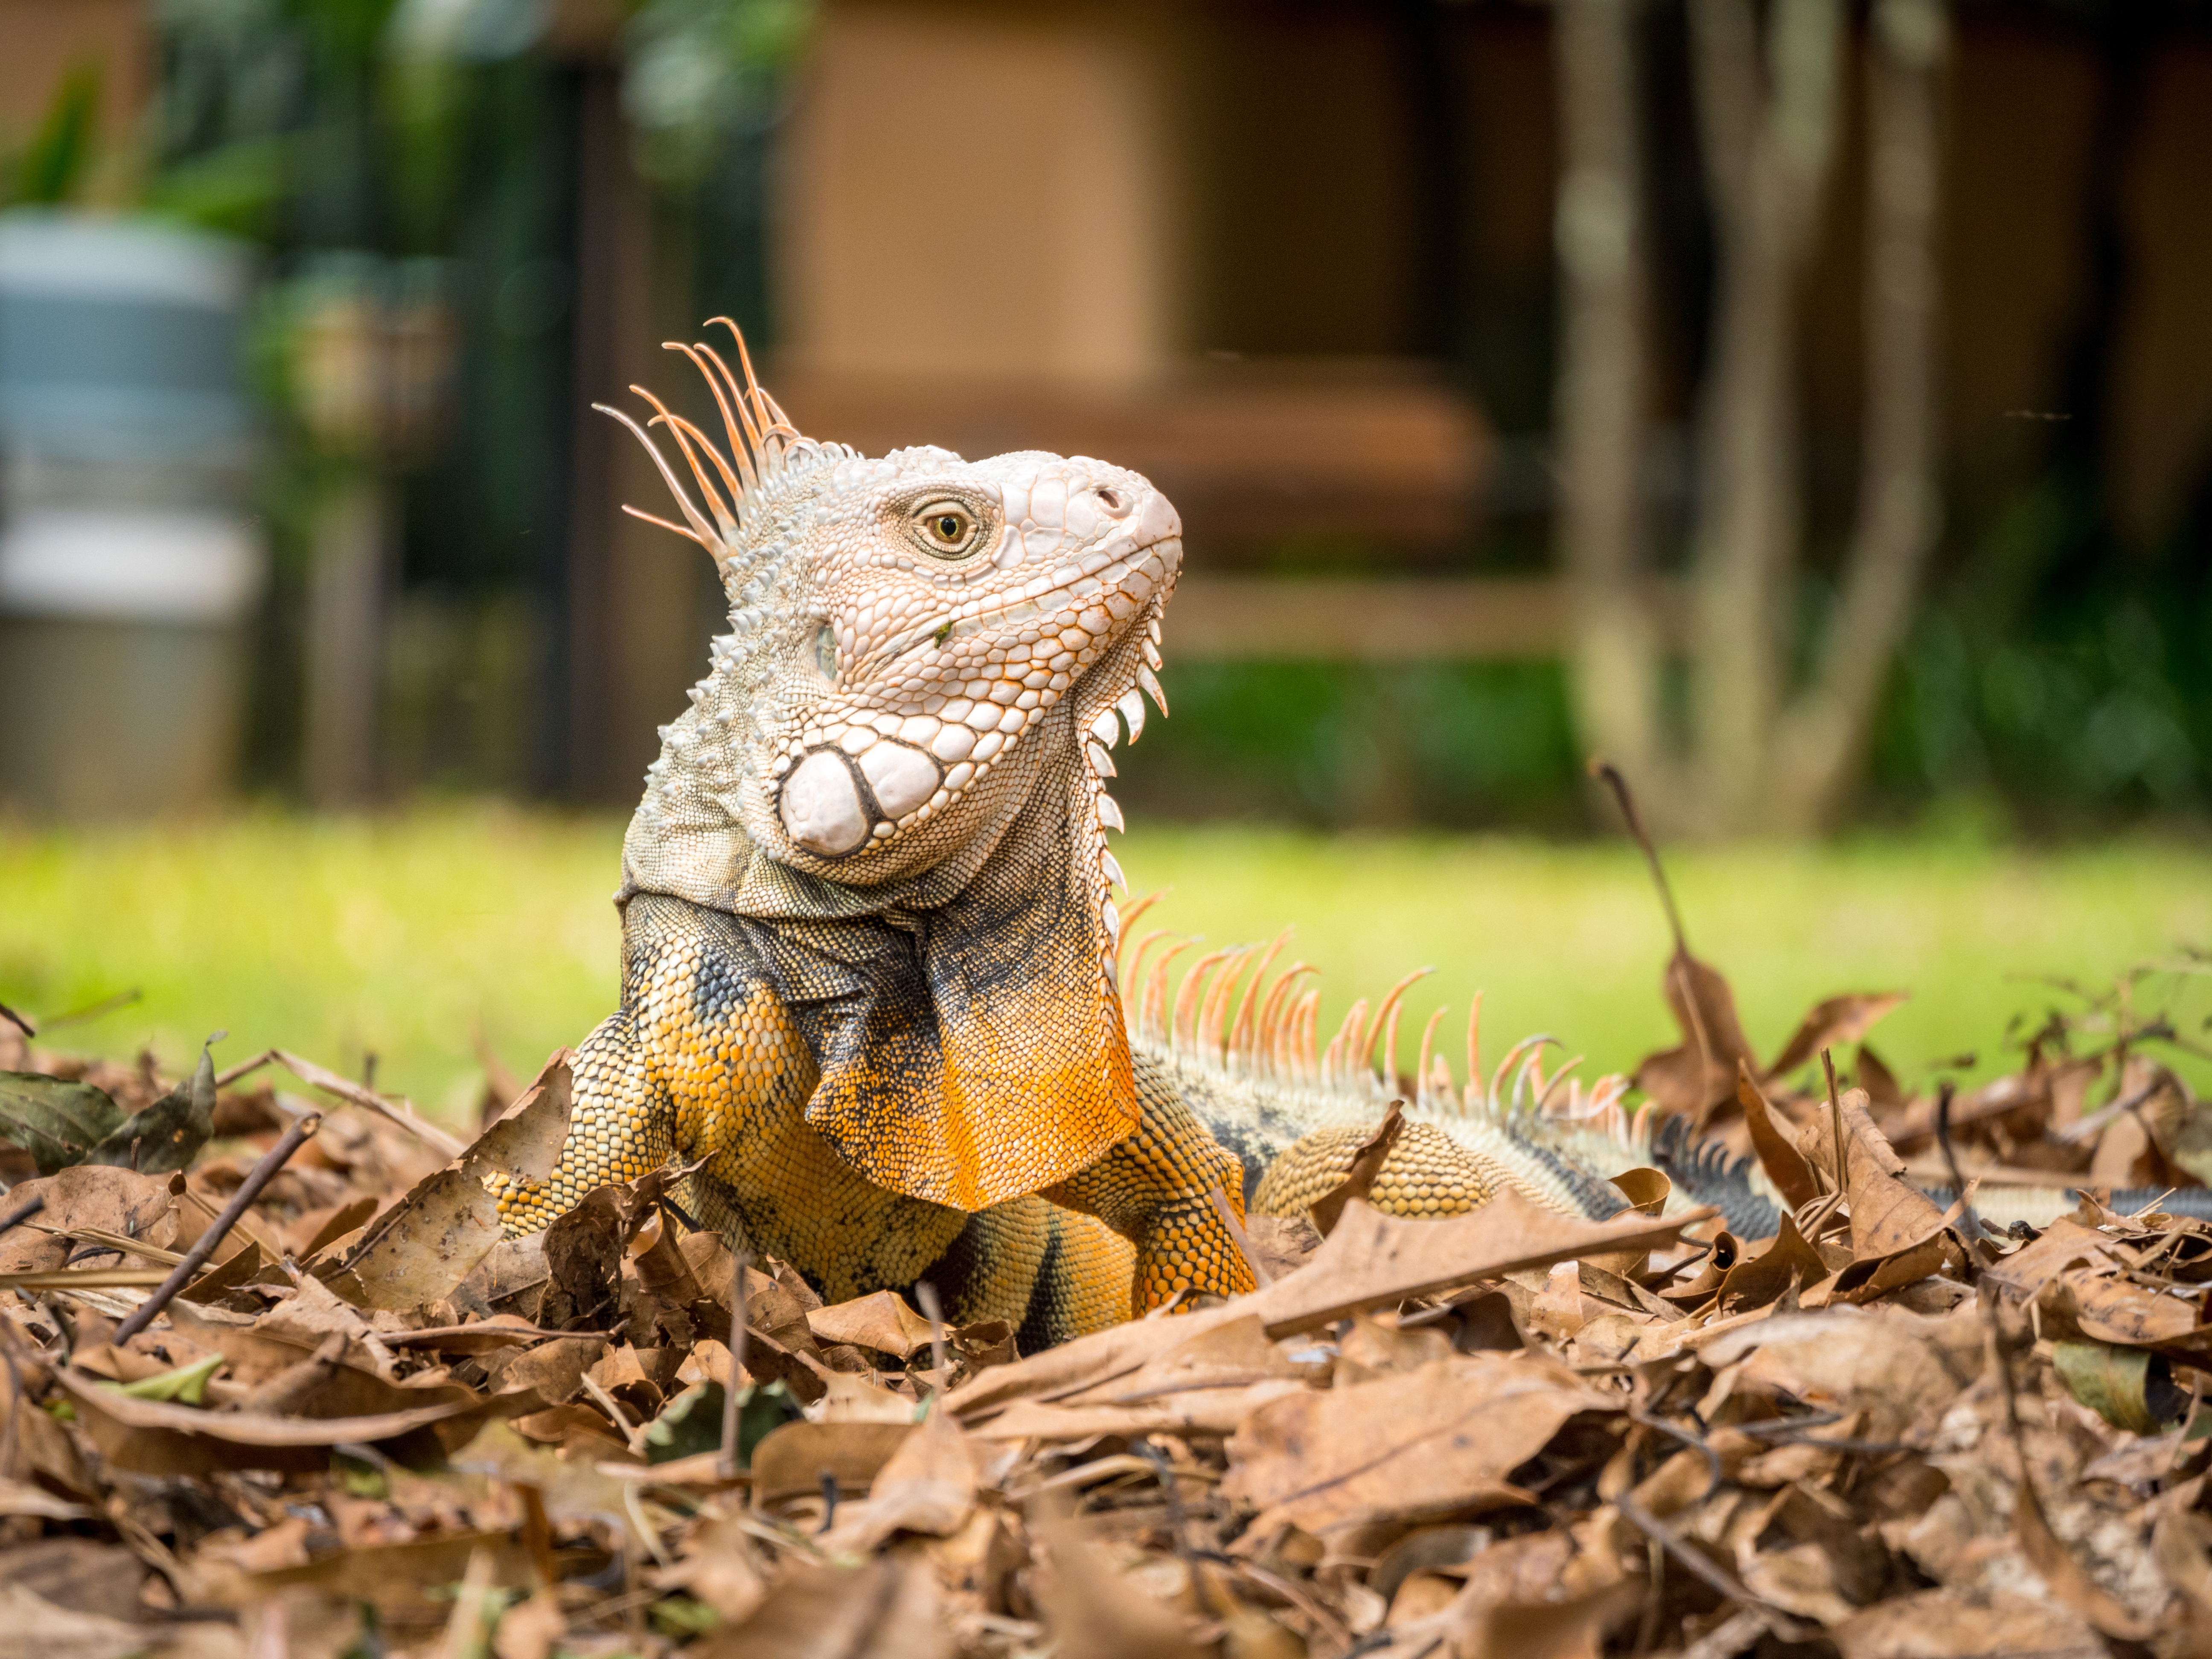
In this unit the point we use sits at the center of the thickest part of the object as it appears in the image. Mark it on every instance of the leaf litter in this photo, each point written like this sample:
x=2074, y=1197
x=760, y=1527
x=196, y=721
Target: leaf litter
x=360, y=1423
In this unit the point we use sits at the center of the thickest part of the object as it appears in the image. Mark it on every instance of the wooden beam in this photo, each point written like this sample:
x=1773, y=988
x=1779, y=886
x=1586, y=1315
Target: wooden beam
x=1230, y=619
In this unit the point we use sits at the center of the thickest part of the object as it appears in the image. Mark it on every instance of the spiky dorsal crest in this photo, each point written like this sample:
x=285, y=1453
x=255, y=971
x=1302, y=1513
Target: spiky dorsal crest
x=761, y=445
x=1246, y=1025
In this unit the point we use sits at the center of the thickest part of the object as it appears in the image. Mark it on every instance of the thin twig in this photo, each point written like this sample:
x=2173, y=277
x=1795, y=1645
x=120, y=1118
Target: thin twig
x=17, y=1020
x=1715, y=1472
x=271, y=1161
x=1836, y=1120
x=223, y=1079
x=1959, y=1187
x=95, y=1010
x=1703, y=1569
x=1260, y=1277
x=15, y=1218
x=368, y=1100
x=737, y=1265
x=1609, y=774
x=632, y=1433
x=925, y=1293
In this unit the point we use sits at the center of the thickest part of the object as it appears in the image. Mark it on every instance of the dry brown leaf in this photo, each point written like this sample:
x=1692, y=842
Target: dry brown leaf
x=1440, y=1441
x=153, y=1436
x=1367, y=1160
x=1893, y=1365
x=79, y=1575
x=1889, y=1214
x=408, y=1584
x=849, y=1398
x=1942, y=1625
x=1374, y=1261
x=36, y=1626
x=2065, y=1244
x=1778, y=1152
x=721, y=1566
x=1835, y=1023
x=531, y=1628
x=793, y=1461
x=422, y=1248
x=2104, y=1309
x=2068, y=1580
x=888, y=1608
x=1755, y=1281
x=1094, y=1612
x=1698, y=1074
x=881, y=1321
x=97, y=1195
x=1543, y=1627
x=927, y=1486
x=1192, y=1411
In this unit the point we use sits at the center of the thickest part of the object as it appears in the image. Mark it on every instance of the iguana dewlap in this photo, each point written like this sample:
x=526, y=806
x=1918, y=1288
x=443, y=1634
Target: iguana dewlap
x=868, y=931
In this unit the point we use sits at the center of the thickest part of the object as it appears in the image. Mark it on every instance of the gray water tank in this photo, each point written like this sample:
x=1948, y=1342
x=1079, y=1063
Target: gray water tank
x=130, y=566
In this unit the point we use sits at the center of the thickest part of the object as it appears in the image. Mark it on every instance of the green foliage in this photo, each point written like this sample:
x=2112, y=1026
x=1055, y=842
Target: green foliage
x=61, y=1123
x=57, y=1121
x=692, y=1423
x=1458, y=745
x=234, y=189
x=51, y=168
x=701, y=70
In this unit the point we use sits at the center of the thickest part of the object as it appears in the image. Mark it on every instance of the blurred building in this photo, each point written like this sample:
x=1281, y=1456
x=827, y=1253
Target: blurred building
x=1293, y=258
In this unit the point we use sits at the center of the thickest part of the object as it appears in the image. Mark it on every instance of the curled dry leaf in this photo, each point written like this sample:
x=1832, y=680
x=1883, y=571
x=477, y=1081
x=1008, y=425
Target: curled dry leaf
x=422, y=1248
x=1439, y=1441
x=882, y=1321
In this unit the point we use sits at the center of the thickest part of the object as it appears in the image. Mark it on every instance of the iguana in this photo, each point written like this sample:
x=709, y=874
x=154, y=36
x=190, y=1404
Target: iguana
x=870, y=946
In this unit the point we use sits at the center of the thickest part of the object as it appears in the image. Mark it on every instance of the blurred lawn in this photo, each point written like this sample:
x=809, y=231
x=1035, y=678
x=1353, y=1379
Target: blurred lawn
x=403, y=935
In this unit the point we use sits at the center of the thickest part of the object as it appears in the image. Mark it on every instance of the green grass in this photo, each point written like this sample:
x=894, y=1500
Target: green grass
x=404, y=935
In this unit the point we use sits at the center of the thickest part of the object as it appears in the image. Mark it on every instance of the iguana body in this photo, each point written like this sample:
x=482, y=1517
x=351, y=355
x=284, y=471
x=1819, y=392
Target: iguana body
x=868, y=933
x=869, y=953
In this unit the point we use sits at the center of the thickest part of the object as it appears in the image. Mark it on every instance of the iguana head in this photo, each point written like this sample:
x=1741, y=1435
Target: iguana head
x=904, y=628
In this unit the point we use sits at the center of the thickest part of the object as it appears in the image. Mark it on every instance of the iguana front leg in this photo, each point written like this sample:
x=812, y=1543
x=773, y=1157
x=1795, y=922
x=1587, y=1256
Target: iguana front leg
x=704, y=1061
x=1156, y=1189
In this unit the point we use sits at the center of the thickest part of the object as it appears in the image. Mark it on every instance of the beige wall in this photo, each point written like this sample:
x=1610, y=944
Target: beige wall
x=978, y=193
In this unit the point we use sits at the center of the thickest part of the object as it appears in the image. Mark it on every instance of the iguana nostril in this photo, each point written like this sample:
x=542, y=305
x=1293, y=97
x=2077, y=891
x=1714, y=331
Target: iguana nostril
x=821, y=806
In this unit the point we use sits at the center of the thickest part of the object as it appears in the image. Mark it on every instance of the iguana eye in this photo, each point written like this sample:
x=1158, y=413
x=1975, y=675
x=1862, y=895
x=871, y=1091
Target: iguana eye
x=825, y=652
x=946, y=529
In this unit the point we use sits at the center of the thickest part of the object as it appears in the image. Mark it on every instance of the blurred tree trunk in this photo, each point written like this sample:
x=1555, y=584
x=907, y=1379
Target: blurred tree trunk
x=1600, y=401
x=1823, y=739
x=1754, y=755
x=1767, y=153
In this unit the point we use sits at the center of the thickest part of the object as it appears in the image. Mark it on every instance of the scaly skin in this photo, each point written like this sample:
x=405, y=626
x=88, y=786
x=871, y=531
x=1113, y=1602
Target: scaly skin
x=868, y=937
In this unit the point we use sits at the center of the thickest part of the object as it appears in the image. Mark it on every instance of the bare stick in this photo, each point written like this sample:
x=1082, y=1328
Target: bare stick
x=1259, y=1275
x=925, y=1293
x=368, y=1100
x=31, y=1207
x=1836, y=1120
x=223, y=1079
x=93, y=1011
x=1943, y=1094
x=1606, y=773
x=196, y=1258
x=17, y=1020
x=737, y=1265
